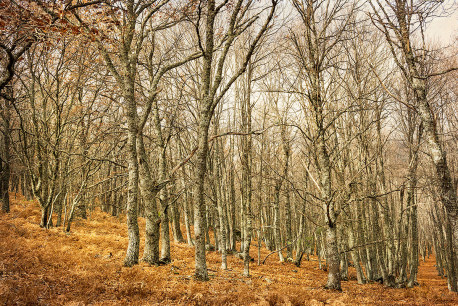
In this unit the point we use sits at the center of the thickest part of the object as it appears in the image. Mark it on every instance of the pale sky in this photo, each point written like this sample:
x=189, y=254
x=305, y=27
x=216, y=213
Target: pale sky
x=444, y=30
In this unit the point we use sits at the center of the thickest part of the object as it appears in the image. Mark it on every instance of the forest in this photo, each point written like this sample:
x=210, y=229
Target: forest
x=228, y=152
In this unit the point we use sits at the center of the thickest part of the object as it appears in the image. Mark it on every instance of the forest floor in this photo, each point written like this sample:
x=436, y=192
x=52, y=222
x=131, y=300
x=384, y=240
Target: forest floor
x=50, y=267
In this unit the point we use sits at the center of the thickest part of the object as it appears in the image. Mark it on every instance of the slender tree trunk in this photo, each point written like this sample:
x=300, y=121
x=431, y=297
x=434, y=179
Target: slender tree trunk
x=132, y=253
x=82, y=203
x=452, y=276
x=232, y=203
x=355, y=257
x=287, y=152
x=413, y=264
x=186, y=206
x=343, y=256
x=186, y=203
x=199, y=205
x=221, y=205
x=176, y=229
x=187, y=220
x=246, y=161
x=277, y=234
x=223, y=235
x=412, y=204
x=60, y=202
x=332, y=251
x=5, y=161
x=246, y=242
x=116, y=198
x=387, y=220
x=318, y=247
x=301, y=236
x=289, y=235
x=163, y=193
x=165, y=228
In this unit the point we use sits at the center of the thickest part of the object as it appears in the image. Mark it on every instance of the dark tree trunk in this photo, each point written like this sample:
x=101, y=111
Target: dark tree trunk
x=44, y=217
x=176, y=229
x=5, y=160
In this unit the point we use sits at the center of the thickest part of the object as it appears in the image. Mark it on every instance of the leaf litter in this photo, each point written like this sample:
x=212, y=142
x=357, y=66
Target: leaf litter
x=50, y=267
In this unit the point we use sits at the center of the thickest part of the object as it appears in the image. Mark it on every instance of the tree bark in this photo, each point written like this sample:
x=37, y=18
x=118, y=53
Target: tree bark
x=332, y=252
x=133, y=234
x=5, y=159
x=276, y=224
x=199, y=205
x=447, y=190
x=246, y=161
x=148, y=192
x=412, y=68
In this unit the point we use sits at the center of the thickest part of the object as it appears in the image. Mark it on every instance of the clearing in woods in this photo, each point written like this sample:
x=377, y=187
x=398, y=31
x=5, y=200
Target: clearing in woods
x=49, y=267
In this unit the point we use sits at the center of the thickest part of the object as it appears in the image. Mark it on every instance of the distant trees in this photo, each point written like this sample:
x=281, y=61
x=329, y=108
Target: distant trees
x=5, y=153
x=397, y=22
x=321, y=34
x=213, y=90
x=16, y=37
x=22, y=25
x=138, y=61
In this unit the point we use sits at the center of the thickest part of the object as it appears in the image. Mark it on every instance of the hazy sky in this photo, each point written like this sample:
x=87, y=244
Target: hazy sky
x=445, y=29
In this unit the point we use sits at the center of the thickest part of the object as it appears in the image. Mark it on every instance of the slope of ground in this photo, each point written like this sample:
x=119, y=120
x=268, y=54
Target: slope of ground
x=50, y=267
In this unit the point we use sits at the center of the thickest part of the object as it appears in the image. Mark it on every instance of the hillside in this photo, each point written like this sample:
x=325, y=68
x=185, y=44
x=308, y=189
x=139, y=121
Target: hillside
x=50, y=267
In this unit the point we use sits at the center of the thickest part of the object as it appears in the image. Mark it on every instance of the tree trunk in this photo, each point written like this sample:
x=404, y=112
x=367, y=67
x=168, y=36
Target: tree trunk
x=332, y=252
x=232, y=203
x=355, y=257
x=447, y=191
x=452, y=276
x=300, y=244
x=132, y=253
x=246, y=161
x=165, y=228
x=187, y=213
x=199, y=204
x=221, y=205
x=176, y=229
x=277, y=235
x=412, y=204
x=5, y=167
x=60, y=202
x=44, y=217
x=343, y=256
x=148, y=192
x=289, y=236
x=186, y=203
x=163, y=193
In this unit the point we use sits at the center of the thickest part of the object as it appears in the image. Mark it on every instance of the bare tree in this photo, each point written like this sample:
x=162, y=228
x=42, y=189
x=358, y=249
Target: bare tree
x=213, y=89
x=398, y=21
x=323, y=25
x=124, y=17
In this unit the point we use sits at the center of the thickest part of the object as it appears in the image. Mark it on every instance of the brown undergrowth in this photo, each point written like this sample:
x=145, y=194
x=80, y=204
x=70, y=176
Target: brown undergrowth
x=50, y=267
